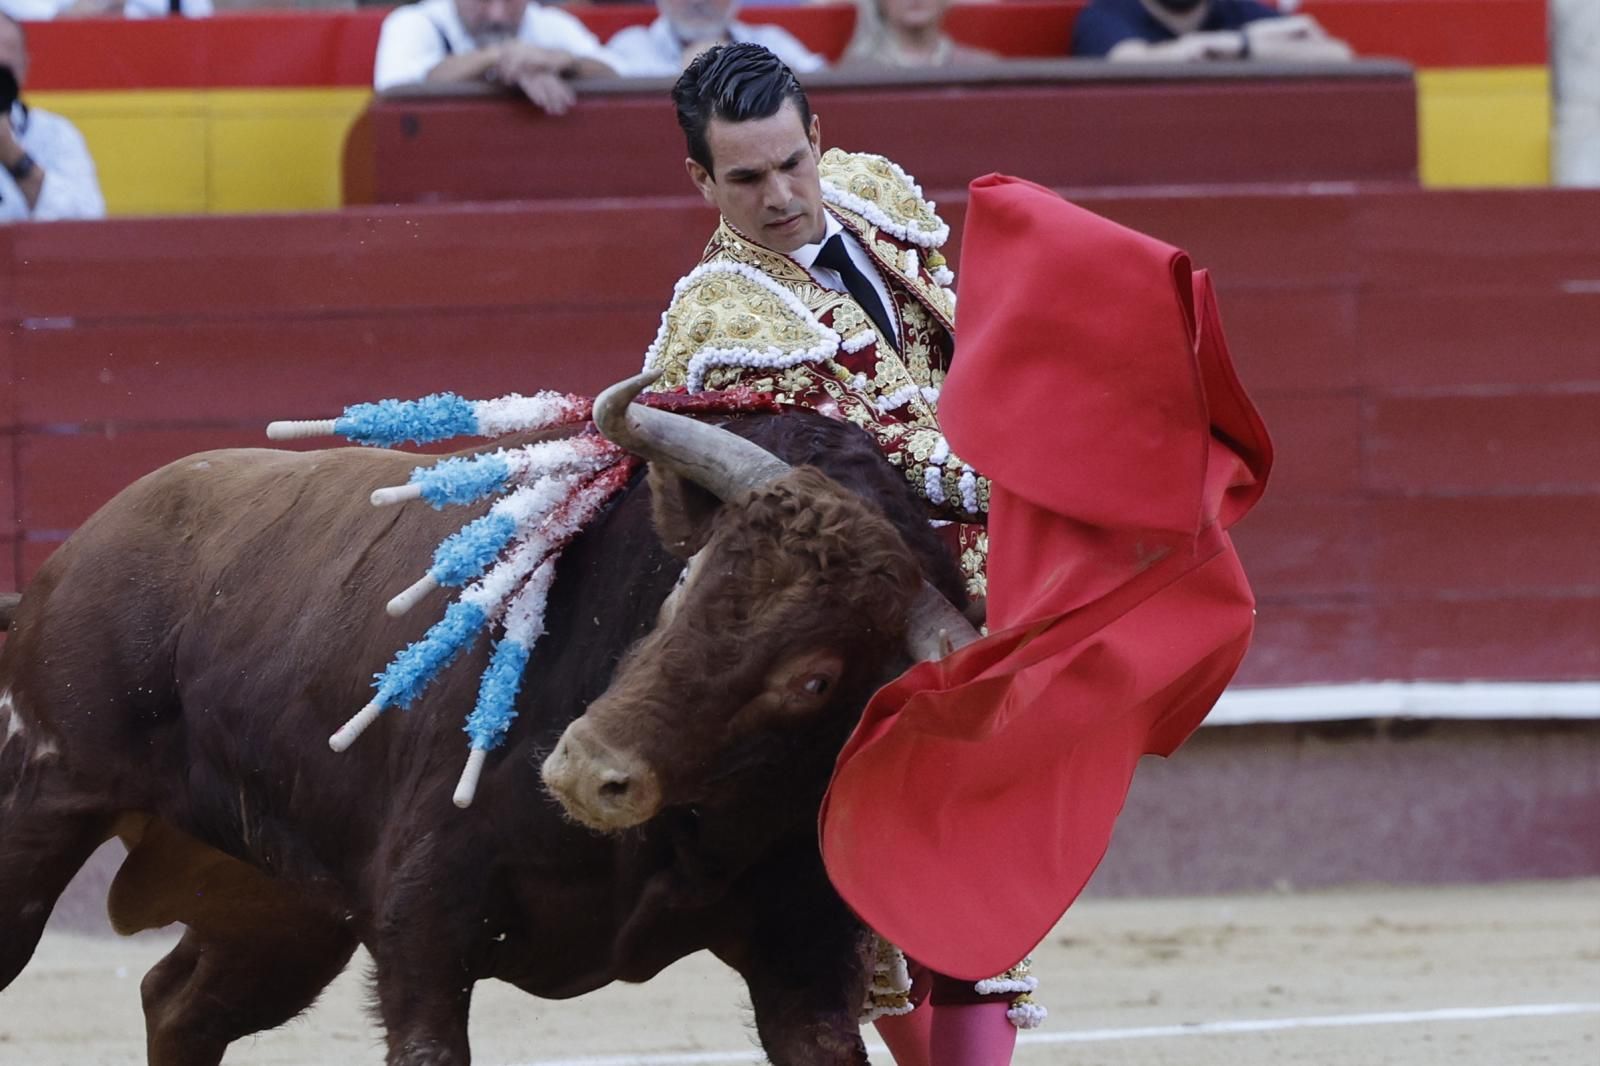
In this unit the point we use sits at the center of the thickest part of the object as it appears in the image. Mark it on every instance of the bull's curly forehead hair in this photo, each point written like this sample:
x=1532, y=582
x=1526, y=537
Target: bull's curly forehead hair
x=734, y=83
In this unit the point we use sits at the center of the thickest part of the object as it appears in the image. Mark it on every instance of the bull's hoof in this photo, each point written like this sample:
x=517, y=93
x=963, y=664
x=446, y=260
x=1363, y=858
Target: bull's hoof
x=427, y=1053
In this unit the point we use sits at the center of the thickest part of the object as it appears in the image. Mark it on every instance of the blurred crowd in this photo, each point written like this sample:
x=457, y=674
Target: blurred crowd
x=518, y=42
x=545, y=51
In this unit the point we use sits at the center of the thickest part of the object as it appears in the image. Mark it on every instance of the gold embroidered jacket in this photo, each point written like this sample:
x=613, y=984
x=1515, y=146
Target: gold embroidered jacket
x=751, y=316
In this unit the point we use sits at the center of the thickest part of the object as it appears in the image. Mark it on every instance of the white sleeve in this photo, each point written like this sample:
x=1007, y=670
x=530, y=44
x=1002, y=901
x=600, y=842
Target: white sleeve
x=34, y=10
x=155, y=9
x=71, y=188
x=409, y=46
x=787, y=47
x=555, y=28
x=636, y=56
x=13, y=205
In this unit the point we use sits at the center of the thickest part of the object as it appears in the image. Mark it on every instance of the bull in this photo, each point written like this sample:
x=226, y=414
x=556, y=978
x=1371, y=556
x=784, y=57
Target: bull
x=171, y=674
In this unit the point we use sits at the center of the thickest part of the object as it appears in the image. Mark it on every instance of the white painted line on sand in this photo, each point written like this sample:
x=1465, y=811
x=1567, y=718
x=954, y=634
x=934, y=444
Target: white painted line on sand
x=1408, y=699
x=1150, y=1032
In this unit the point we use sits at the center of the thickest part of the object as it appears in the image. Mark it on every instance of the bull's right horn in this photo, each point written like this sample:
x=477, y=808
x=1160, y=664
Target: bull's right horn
x=718, y=460
x=934, y=627
x=725, y=464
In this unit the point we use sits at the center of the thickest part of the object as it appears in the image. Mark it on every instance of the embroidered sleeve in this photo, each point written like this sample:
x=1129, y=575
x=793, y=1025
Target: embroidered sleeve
x=731, y=325
x=956, y=492
x=730, y=317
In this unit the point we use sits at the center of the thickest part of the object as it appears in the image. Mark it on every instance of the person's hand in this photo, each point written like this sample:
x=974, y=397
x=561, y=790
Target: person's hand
x=1212, y=44
x=1190, y=48
x=1293, y=37
x=548, y=92
x=519, y=59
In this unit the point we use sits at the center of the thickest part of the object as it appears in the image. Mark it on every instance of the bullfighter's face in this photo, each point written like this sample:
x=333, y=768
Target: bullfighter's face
x=792, y=612
x=764, y=178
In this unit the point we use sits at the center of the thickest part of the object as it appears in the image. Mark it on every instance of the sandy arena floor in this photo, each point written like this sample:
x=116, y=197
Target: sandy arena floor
x=1504, y=975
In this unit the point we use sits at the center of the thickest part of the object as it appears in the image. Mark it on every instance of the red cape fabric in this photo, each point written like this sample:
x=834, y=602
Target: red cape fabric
x=1093, y=386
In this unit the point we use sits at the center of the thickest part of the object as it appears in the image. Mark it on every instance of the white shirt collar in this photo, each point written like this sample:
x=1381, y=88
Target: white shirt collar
x=806, y=254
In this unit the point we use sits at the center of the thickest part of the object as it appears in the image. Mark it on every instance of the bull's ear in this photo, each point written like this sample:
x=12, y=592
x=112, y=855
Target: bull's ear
x=682, y=511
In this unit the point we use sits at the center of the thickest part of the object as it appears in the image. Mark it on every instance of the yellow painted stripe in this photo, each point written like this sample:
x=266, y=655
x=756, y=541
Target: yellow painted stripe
x=1484, y=126
x=216, y=150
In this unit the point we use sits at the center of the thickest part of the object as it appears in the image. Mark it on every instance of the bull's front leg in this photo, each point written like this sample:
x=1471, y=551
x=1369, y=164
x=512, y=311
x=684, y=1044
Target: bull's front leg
x=424, y=994
x=426, y=950
x=807, y=967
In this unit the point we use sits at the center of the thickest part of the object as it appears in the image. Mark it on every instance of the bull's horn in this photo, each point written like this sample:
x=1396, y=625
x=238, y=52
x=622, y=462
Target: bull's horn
x=934, y=627
x=725, y=464
x=719, y=461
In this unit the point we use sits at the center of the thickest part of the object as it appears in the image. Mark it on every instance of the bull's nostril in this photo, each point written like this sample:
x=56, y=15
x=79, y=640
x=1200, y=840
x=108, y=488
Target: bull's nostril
x=615, y=788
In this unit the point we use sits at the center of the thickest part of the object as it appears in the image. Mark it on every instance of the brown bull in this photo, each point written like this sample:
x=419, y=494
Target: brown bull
x=173, y=672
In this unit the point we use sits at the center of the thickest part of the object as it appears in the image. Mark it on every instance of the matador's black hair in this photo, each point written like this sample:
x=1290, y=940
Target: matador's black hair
x=733, y=82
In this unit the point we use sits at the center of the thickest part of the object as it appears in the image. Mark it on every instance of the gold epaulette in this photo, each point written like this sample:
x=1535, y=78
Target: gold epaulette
x=882, y=194
x=727, y=314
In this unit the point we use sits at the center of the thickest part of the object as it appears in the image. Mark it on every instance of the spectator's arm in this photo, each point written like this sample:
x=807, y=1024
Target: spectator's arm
x=62, y=184
x=160, y=9
x=1190, y=48
x=520, y=60
x=23, y=193
x=91, y=9
x=591, y=67
x=564, y=47
x=411, y=49
x=472, y=66
x=1294, y=38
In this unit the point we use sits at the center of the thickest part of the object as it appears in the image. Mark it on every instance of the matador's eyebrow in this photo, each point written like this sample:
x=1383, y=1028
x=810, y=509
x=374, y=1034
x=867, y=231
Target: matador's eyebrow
x=745, y=173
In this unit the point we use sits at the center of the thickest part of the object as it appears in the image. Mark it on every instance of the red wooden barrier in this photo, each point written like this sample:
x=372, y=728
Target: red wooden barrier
x=1062, y=123
x=1425, y=359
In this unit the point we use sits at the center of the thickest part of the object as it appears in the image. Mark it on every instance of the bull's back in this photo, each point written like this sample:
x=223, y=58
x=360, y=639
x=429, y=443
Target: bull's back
x=223, y=578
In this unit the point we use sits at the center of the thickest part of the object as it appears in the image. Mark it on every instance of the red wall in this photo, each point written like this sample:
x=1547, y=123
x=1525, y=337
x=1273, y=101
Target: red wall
x=1427, y=362
x=1064, y=126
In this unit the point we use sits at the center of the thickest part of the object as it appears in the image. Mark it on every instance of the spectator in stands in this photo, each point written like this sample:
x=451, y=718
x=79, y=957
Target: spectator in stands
x=1197, y=30
x=45, y=168
x=685, y=28
x=44, y=10
x=908, y=34
x=510, y=42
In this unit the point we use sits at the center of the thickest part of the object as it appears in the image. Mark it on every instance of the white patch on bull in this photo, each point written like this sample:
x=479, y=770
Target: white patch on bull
x=200, y=464
x=8, y=707
x=669, y=606
x=15, y=728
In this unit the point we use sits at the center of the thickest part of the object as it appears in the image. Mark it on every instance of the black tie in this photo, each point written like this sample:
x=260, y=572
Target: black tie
x=835, y=257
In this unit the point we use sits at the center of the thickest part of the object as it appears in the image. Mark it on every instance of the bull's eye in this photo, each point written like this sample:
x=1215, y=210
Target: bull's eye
x=817, y=684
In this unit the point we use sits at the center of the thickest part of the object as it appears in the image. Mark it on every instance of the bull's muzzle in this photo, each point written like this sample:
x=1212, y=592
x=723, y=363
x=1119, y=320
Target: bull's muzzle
x=602, y=788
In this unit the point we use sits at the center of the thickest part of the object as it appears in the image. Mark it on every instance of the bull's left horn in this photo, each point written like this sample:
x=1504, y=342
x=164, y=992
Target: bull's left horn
x=719, y=461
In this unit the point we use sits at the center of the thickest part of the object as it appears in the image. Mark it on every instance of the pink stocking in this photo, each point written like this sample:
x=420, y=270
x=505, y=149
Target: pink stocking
x=971, y=1034
x=907, y=1035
